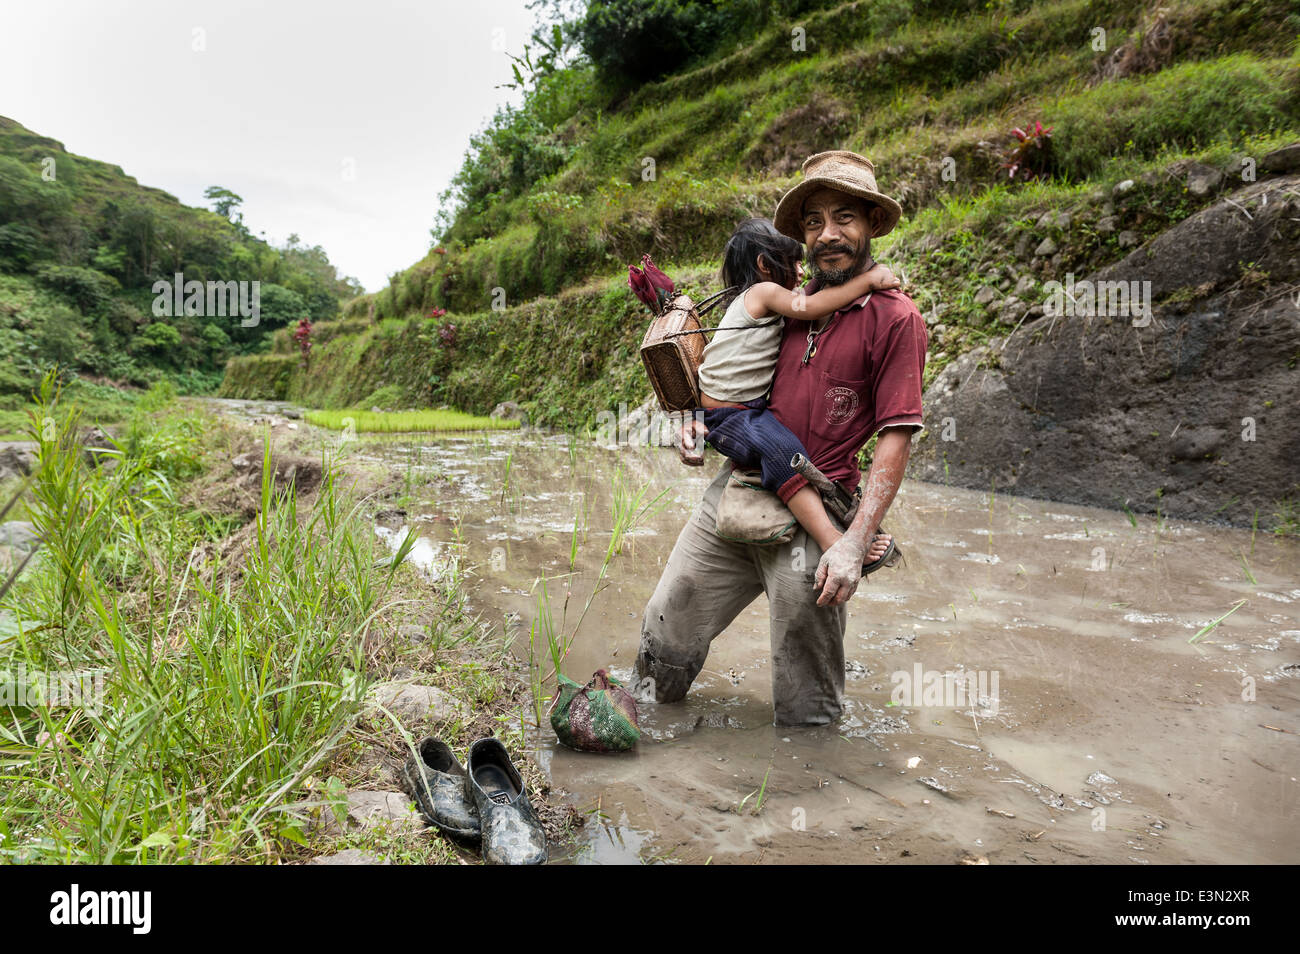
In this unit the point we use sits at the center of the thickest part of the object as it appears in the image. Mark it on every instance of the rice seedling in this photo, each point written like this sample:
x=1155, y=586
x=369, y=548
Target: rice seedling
x=760, y=792
x=374, y=422
x=1213, y=625
x=505, y=481
x=1250, y=577
x=630, y=507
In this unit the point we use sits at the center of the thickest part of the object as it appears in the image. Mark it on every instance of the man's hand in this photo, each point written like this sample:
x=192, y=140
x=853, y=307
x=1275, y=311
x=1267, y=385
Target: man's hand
x=839, y=571
x=692, y=431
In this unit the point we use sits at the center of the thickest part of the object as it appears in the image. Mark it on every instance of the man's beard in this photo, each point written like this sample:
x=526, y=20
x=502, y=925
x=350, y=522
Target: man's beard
x=838, y=276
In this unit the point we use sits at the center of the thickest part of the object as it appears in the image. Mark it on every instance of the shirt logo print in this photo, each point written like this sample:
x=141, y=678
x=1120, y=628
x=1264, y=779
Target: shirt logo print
x=841, y=404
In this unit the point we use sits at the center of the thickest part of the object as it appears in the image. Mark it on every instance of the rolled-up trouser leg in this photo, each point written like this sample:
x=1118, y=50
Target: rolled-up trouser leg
x=807, y=639
x=706, y=582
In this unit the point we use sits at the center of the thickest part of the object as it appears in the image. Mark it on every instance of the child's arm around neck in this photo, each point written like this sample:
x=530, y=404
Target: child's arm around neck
x=769, y=298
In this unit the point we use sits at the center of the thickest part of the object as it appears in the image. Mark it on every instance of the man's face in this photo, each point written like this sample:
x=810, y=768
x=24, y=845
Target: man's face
x=837, y=233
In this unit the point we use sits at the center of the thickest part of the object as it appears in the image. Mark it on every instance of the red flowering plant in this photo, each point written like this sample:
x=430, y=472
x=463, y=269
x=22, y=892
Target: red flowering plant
x=650, y=284
x=447, y=332
x=302, y=335
x=1030, y=155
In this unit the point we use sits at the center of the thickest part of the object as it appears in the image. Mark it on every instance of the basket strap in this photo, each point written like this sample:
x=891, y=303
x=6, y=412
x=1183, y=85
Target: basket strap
x=708, y=304
x=703, y=331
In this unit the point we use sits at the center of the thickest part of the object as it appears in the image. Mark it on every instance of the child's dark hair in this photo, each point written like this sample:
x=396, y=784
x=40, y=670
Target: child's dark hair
x=752, y=238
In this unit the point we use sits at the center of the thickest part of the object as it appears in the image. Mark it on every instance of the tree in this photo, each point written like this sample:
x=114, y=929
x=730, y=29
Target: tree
x=225, y=203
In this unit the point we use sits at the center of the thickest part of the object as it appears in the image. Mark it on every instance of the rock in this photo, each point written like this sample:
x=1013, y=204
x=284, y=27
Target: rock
x=1107, y=225
x=97, y=446
x=304, y=472
x=391, y=519
x=17, y=458
x=411, y=702
x=510, y=411
x=1024, y=286
x=1122, y=188
x=1200, y=365
x=1202, y=179
x=1286, y=159
x=1196, y=443
x=375, y=809
x=376, y=409
x=20, y=535
x=293, y=413
x=350, y=856
x=412, y=633
x=1024, y=244
x=1045, y=247
x=1045, y=220
x=1128, y=238
x=368, y=810
x=985, y=295
x=1064, y=220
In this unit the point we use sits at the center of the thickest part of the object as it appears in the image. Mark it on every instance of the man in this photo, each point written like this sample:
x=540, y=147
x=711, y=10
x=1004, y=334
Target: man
x=854, y=374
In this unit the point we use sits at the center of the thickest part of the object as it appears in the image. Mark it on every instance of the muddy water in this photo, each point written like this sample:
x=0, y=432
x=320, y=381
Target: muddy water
x=1114, y=734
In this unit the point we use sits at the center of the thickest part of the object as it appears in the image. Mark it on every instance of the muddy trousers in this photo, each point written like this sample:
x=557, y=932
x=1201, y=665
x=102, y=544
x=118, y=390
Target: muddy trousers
x=708, y=581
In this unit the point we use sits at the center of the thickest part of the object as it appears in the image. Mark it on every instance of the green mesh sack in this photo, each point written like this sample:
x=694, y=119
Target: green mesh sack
x=597, y=717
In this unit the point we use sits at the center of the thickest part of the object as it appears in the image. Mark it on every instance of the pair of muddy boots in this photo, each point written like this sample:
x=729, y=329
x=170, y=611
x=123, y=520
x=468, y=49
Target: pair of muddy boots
x=485, y=805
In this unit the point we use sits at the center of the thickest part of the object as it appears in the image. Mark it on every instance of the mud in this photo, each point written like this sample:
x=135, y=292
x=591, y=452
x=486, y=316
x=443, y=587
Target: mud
x=1105, y=731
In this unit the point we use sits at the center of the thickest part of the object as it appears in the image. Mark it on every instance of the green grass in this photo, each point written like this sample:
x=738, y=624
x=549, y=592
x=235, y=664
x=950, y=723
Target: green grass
x=371, y=422
x=223, y=691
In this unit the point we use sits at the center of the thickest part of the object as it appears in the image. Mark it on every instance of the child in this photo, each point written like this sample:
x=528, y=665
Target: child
x=737, y=366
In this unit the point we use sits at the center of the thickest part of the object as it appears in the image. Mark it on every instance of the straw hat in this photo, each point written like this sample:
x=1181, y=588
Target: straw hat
x=842, y=170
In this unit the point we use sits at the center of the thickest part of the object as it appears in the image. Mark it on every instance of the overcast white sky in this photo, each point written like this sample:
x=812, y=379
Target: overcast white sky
x=282, y=96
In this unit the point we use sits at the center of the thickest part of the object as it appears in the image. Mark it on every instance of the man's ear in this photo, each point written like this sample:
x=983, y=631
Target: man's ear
x=877, y=218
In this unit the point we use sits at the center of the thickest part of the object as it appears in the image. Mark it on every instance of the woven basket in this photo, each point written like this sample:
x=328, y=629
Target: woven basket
x=673, y=348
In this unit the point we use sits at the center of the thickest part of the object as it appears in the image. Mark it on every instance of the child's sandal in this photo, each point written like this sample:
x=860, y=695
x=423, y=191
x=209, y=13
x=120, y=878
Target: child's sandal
x=885, y=559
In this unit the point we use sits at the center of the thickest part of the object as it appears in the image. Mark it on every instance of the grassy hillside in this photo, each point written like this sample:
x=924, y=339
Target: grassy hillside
x=556, y=197
x=81, y=244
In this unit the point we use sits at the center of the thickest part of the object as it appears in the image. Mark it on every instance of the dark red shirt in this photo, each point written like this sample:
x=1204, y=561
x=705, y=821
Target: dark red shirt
x=865, y=376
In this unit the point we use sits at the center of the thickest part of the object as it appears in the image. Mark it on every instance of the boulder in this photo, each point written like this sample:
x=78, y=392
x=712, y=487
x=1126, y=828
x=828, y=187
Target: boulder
x=1193, y=399
x=1284, y=160
x=20, y=535
x=510, y=411
x=17, y=458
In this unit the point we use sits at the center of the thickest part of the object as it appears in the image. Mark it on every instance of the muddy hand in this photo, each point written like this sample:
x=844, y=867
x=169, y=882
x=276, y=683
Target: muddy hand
x=839, y=571
x=688, y=446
